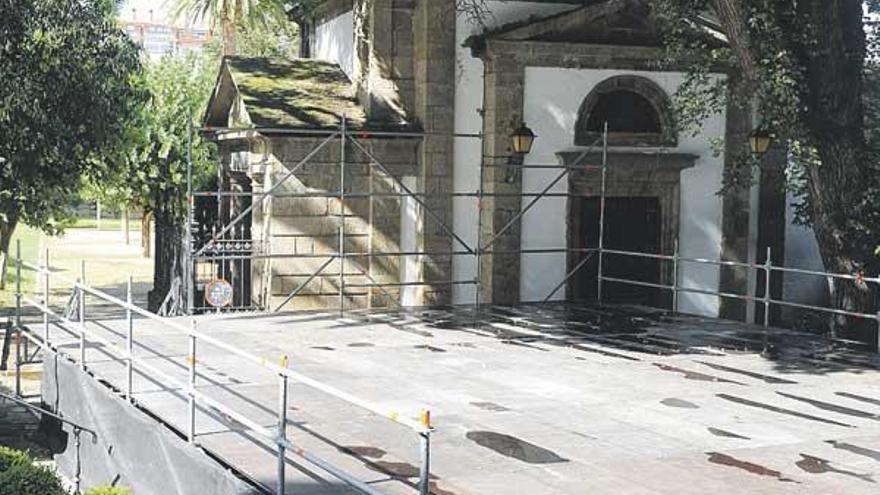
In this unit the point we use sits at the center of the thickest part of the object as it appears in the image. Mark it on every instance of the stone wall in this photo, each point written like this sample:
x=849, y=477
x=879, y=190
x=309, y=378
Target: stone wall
x=303, y=233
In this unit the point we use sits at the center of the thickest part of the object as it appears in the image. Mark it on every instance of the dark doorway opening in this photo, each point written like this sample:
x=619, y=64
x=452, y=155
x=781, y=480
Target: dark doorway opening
x=631, y=224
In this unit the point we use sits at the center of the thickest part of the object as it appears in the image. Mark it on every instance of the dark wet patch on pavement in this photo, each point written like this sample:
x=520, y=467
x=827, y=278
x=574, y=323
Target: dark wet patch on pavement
x=468, y=345
x=229, y=420
x=361, y=344
x=397, y=470
x=726, y=460
x=490, y=406
x=516, y=448
x=693, y=375
x=816, y=465
x=725, y=434
x=323, y=348
x=603, y=352
x=363, y=451
x=750, y=374
x=523, y=344
x=860, y=398
x=780, y=410
x=429, y=348
x=436, y=490
x=855, y=449
x=673, y=402
x=827, y=406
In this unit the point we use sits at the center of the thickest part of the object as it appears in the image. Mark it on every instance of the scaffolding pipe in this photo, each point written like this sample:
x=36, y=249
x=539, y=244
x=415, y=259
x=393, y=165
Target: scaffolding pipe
x=602, y=211
x=426, y=208
x=82, y=316
x=46, y=293
x=129, y=344
x=389, y=254
x=188, y=274
x=342, y=218
x=274, y=187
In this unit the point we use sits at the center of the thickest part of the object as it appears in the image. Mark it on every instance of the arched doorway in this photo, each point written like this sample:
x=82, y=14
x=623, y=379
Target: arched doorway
x=642, y=189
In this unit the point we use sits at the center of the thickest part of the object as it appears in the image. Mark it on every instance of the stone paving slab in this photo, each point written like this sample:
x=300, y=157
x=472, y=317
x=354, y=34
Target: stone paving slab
x=532, y=400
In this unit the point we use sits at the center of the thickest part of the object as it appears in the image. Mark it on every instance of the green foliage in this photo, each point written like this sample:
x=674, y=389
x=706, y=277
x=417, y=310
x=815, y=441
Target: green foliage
x=109, y=490
x=150, y=169
x=11, y=457
x=242, y=11
x=29, y=479
x=68, y=97
x=809, y=68
x=275, y=38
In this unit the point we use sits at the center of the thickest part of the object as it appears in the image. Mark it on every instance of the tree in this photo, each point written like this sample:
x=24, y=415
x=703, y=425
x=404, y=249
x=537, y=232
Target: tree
x=806, y=66
x=150, y=169
x=68, y=96
x=229, y=14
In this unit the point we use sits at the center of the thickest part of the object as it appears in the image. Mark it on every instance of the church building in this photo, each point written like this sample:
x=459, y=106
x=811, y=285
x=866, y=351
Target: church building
x=438, y=207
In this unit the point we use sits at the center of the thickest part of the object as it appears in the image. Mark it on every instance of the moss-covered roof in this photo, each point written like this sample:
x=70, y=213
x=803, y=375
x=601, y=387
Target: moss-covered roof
x=299, y=93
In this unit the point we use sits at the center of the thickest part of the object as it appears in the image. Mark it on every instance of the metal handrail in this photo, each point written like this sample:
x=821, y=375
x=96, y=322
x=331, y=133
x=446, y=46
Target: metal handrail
x=279, y=437
x=393, y=415
x=40, y=410
x=768, y=268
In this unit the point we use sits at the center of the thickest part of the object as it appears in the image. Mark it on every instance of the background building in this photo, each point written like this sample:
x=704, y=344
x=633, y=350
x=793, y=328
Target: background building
x=149, y=24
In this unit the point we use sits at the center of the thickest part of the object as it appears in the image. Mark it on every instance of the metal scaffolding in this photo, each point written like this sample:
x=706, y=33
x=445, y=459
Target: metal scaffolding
x=219, y=250
x=213, y=252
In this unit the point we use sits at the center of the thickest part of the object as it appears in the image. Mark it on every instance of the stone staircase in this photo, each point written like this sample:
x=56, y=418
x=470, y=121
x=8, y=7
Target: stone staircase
x=19, y=427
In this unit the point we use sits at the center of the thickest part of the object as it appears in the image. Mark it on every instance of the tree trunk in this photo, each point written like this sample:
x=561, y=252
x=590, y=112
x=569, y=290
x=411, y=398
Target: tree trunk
x=125, y=233
x=835, y=189
x=6, y=231
x=228, y=28
x=832, y=114
x=168, y=263
x=146, y=235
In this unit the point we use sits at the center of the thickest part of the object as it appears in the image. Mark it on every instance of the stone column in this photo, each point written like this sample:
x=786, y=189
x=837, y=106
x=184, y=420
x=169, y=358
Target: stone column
x=384, y=62
x=771, y=225
x=434, y=109
x=736, y=208
x=503, y=106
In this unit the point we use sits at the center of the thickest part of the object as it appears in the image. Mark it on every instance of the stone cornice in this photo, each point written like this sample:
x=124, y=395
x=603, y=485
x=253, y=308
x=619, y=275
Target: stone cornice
x=580, y=55
x=647, y=159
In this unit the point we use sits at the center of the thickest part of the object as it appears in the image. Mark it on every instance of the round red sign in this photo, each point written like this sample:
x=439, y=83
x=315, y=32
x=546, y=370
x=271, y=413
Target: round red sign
x=218, y=293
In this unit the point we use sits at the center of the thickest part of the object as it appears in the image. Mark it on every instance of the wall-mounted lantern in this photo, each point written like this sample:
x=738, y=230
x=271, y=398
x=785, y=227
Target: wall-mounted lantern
x=759, y=141
x=522, y=140
x=521, y=144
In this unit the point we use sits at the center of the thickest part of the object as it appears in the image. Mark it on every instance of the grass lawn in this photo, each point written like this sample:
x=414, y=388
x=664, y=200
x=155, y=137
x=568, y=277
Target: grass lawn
x=108, y=261
x=30, y=248
x=106, y=224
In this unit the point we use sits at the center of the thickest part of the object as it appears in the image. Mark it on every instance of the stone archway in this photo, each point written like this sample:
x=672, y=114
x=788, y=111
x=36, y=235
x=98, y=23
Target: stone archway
x=637, y=110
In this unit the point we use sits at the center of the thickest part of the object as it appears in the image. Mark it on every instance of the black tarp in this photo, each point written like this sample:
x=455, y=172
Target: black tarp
x=131, y=448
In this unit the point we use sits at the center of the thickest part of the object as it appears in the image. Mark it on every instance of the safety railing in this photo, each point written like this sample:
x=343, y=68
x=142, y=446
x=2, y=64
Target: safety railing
x=421, y=425
x=766, y=269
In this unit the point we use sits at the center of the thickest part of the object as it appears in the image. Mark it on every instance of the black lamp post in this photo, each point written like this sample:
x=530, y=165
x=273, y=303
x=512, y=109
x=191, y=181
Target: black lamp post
x=759, y=141
x=521, y=144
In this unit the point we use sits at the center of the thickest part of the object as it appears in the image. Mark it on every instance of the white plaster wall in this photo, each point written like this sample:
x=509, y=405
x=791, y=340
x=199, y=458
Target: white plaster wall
x=334, y=42
x=552, y=99
x=468, y=150
x=802, y=251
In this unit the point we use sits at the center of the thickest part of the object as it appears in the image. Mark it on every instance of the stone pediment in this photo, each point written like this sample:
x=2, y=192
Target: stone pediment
x=602, y=22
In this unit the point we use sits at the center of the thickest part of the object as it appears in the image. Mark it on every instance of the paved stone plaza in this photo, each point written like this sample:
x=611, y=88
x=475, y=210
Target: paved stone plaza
x=533, y=400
